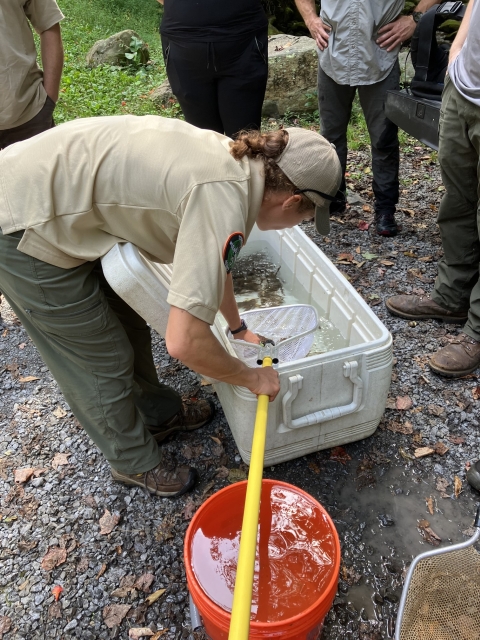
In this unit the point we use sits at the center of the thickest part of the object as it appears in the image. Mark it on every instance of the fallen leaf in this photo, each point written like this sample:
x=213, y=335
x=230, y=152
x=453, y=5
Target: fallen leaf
x=410, y=254
x=441, y=449
x=57, y=591
x=369, y=256
x=59, y=412
x=113, y=614
x=53, y=558
x=135, y=633
x=338, y=454
x=55, y=610
x=428, y=534
x=222, y=472
x=426, y=259
x=476, y=393
x=28, y=379
x=90, y=501
x=144, y=581
x=25, y=545
x=441, y=485
x=435, y=409
x=236, y=475
x=165, y=529
x=159, y=634
x=5, y=625
x=386, y=263
x=403, y=403
x=457, y=486
x=83, y=564
x=189, y=509
x=23, y=475
x=346, y=257
x=217, y=440
x=456, y=439
x=390, y=403
x=22, y=345
x=153, y=597
x=121, y=592
x=430, y=504
x=60, y=459
x=366, y=208
x=363, y=226
x=102, y=570
x=108, y=522
x=421, y=452
x=398, y=427
x=314, y=467
x=38, y=471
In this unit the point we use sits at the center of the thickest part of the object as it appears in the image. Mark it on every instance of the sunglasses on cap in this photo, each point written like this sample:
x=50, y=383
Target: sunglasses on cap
x=331, y=199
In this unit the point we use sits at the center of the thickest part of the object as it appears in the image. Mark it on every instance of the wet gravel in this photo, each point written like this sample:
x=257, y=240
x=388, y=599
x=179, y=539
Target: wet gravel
x=375, y=490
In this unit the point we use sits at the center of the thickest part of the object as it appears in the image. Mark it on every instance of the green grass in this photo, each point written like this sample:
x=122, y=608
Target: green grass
x=107, y=90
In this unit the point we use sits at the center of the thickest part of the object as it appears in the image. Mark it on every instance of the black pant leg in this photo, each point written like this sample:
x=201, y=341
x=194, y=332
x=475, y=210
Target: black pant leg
x=241, y=83
x=191, y=75
x=41, y=122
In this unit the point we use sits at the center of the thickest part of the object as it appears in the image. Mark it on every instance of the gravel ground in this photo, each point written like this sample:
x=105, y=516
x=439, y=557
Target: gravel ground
x=376, y=490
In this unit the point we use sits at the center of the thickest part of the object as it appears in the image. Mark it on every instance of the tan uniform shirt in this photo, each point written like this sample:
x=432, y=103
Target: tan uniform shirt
x=21, y=80
x=169, y=188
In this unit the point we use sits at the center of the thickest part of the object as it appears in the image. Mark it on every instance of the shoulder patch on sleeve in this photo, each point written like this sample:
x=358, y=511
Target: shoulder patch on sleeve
x=231, y=249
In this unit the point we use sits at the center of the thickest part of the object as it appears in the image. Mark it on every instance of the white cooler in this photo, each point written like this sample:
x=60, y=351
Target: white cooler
x=325, y=400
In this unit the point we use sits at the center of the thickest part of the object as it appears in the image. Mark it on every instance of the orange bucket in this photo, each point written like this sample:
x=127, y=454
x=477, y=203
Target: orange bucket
x=296, y=568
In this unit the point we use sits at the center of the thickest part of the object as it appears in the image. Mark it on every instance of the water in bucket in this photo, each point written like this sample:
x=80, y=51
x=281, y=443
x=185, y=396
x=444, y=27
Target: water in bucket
x=297, y=562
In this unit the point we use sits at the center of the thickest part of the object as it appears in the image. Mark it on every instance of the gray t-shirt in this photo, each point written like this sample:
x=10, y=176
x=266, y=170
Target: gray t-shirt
x=465, y=69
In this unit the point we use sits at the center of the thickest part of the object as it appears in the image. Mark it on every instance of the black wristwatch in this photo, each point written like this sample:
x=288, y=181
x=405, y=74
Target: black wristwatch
x=417, y=16
x=242, y=327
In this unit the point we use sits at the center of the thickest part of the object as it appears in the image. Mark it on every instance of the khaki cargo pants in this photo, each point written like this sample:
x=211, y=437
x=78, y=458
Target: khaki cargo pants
x=98, y=350
x=457, y=285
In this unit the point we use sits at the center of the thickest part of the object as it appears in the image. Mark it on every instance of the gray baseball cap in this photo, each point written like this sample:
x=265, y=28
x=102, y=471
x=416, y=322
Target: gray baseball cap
x=311, y=163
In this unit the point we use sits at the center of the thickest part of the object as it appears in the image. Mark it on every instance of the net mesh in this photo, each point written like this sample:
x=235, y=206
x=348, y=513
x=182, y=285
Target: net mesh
x=282, y=325
x=443, y=600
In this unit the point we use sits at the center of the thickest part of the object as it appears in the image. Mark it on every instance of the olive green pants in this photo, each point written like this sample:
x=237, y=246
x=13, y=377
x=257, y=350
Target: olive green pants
x=457, y=285
x=98, y=350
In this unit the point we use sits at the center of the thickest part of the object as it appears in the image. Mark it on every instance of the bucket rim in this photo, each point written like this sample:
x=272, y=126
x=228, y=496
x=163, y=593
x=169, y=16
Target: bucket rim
x=279, y=624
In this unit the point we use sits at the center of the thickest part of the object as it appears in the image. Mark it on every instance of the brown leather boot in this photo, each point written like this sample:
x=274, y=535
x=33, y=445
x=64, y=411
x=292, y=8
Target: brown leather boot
x=458, y=358
x=195, y=413
x=161, y=480
x=423, y=308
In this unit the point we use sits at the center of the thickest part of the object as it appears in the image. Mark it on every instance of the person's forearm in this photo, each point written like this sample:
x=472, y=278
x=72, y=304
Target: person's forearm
x=191, y=340
x=461, y=36
x=52, y=60
x=228, y=308
x=307, y=10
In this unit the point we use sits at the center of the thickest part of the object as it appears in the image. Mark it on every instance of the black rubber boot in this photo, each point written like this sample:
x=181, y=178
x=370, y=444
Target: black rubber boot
x=385, y=223
x=473, y=475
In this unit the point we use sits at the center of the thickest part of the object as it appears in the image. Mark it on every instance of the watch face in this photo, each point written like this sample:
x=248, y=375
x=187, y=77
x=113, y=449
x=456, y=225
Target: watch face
x=416, y=15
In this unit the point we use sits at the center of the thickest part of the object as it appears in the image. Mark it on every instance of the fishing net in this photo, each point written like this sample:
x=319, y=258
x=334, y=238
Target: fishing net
x=291, y=328
x=443, y=599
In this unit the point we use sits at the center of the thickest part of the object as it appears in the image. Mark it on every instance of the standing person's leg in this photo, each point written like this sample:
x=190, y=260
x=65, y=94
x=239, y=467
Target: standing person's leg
x=161, y=407
x=335, y=107
x=87, y=350
x=242, y=80
x=385, y=150
x=191, y=73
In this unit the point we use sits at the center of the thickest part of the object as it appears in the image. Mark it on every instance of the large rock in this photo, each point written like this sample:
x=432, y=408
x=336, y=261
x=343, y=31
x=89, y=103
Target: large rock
x=292, y=75
x=112, y=50
x=162, y=94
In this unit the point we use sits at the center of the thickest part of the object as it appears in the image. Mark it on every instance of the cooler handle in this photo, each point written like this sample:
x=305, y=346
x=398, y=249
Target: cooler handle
x=350, y=370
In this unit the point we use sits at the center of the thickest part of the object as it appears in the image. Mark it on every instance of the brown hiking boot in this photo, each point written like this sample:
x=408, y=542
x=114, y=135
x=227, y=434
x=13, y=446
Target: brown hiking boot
x=161, y=480
x=458, y=358
x=195, y=413
x=423, y=308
